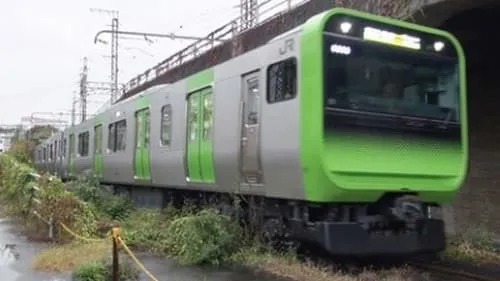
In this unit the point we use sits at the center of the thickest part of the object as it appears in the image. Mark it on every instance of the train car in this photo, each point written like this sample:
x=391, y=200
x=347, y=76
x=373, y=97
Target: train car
x=349, y=132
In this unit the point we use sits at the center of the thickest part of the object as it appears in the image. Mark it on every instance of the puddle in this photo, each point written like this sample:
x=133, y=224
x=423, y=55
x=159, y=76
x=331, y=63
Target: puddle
x=16, y=257
x=16, y=254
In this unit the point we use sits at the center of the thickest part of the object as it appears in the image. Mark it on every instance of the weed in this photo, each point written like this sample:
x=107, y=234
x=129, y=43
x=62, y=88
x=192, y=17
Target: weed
x=205, y=237
x=60, y=258
x=146, y=230
x=90, y=271
x=473, y=245
x=102, y=271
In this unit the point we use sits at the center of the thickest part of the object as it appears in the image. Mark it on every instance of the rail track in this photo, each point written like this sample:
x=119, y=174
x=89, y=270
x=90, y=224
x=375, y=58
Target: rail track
x=444, y=273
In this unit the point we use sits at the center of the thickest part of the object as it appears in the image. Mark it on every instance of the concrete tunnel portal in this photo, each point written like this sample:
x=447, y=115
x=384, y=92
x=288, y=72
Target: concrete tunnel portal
x=474, y=24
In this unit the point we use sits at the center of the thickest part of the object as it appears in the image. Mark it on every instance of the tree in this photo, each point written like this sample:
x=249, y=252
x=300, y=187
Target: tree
x=23, y=147
x=22, y=150
x=37, y=134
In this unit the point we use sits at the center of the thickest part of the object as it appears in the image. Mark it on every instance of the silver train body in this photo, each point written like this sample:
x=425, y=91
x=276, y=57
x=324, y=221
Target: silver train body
x=268, y=149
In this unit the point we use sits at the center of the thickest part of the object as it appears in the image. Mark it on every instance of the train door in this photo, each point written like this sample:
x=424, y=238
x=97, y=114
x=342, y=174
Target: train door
x=199, y=144
x=71, y=155
x=97, y=165
x=56, y=157
x=250, y=165
x=142, y=170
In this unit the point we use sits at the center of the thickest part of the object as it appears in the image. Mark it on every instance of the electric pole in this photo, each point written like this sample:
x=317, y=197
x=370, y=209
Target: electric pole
x=83, y=89
x=73, y=109
x=114, y=50
x=114, y=59
x=249, y=14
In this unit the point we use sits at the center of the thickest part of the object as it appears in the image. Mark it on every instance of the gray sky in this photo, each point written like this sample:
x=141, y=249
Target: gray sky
x=43, y=43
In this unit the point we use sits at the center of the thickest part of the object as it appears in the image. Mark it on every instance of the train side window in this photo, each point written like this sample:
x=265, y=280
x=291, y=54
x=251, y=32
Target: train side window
x=121, y=135
x=56, y=151
x=111, y=137
x=83, y=144
x=117, y=136
x=64, y=149
x=282, y=81
x=166, y=125
x=207, y=113
x=252, y=105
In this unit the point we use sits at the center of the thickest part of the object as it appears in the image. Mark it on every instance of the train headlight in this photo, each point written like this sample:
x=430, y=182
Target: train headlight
x=345, y=27
x=438, y=46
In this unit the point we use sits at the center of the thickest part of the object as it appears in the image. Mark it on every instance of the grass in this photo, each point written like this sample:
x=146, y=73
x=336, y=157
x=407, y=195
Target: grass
x=62, y=258
x=288, y=267
x=471, y=251
x=146, y=230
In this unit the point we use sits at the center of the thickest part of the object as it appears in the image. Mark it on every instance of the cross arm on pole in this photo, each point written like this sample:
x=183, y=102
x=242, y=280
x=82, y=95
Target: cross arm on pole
x=146, y=34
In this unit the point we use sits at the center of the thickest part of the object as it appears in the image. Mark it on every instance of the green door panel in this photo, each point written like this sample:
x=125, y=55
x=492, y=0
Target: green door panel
x=200, y=162
x=206, y=141
x=98, y=159
x=71, y=155
x=193, y=137
x=142, y=169
x=146, y=169
x=138, y=145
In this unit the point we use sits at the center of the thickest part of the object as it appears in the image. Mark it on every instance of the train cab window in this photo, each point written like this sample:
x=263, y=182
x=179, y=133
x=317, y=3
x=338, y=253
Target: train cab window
x=282, y=81
x=166, y=125
x=83, y=144
x=117, y=136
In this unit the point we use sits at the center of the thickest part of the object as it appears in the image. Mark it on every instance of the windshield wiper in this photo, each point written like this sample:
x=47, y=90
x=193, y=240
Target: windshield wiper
x=446, y=120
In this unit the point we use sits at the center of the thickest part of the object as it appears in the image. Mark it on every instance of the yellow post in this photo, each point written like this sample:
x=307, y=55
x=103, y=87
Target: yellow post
x=116, y=272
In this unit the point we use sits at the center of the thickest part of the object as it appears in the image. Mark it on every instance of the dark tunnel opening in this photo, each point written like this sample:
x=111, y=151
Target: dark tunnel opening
x=478, y=203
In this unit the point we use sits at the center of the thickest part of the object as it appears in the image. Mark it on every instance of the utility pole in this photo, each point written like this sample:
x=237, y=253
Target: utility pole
x=114, y=59
x=73, y=109
x=114, y=50
x=249, y=14
x=83, y=89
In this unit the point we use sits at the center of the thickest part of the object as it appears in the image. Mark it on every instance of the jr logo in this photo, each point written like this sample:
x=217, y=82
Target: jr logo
x=288, y=46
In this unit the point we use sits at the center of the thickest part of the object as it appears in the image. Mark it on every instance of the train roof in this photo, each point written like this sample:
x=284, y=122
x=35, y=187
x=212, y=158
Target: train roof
x=227, y=44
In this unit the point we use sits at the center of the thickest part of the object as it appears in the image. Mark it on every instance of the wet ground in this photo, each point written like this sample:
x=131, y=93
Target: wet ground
x=16, y=256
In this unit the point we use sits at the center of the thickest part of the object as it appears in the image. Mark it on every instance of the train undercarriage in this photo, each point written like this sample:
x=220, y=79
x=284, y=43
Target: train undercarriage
x=396, y=225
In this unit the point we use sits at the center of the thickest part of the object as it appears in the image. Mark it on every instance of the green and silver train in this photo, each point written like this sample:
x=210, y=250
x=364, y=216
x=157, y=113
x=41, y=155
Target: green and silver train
x=348, y=131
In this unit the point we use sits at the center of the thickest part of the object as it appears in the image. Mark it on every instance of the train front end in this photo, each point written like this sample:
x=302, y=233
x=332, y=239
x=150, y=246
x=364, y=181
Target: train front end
x=383, y=130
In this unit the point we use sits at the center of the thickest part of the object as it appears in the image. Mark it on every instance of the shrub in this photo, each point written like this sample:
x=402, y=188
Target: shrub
x=16, y=194
x=22, y=151
x=65, y=207
x=91, y=271
x=146, y=230
x=14, y=185
x=205, y=237
x=103, y=270
x=88, y=189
